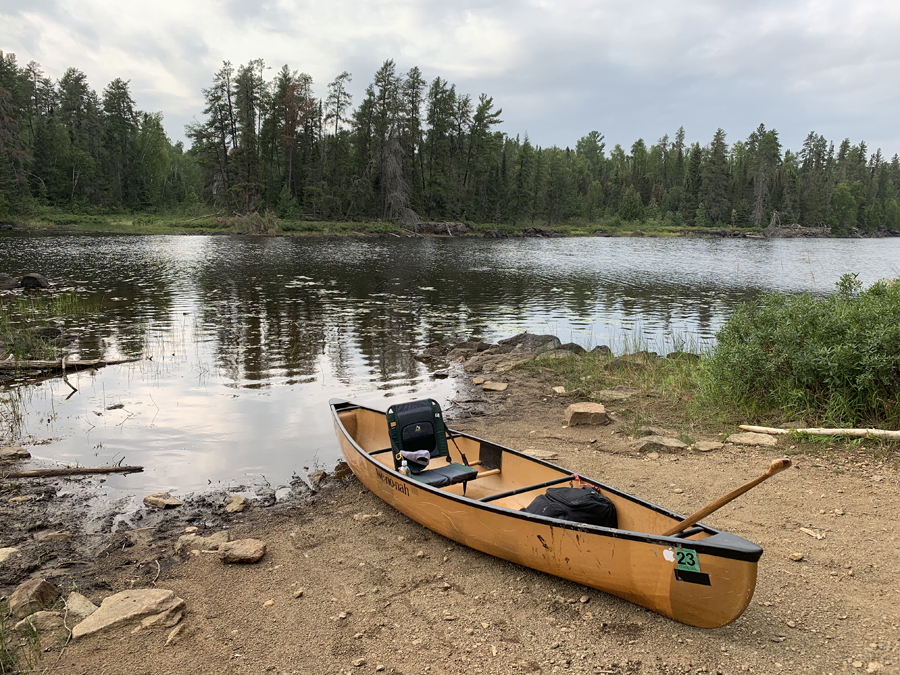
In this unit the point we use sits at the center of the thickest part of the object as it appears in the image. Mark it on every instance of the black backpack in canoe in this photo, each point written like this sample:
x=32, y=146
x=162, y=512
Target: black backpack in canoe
x=580, y=505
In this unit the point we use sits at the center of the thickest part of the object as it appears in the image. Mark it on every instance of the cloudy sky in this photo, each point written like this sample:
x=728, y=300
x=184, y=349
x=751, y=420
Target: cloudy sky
x=557, y=68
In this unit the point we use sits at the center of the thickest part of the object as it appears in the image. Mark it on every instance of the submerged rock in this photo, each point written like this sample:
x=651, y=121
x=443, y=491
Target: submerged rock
x=35, y=280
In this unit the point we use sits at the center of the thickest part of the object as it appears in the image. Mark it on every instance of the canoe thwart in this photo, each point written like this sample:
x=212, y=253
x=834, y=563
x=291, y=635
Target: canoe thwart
x=527, y=488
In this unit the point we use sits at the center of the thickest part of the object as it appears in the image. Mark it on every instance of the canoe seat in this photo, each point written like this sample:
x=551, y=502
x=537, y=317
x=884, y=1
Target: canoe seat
x=449, y=474
x=418, y=435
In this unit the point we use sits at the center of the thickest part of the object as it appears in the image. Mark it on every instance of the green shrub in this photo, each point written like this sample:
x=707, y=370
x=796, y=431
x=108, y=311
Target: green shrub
x=833, y=360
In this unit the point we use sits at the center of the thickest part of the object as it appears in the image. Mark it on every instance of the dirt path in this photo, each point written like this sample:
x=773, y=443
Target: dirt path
x=383, y=594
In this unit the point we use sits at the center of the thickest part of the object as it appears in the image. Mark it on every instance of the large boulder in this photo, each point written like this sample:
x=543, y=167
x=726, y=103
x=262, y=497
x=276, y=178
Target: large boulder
x=35, y=280
x=7, y=283
x=531, y=343
x=147, y=606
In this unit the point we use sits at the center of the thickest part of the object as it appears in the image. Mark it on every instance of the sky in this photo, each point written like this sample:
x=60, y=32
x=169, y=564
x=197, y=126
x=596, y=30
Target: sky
x=557, y=68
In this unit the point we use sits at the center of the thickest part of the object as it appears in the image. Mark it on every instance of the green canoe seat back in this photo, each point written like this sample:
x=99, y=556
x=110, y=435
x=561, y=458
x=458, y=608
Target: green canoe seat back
x=417, y=426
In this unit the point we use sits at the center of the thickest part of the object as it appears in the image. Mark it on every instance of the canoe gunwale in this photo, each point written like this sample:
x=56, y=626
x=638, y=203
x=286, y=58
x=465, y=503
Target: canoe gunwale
x=719, y=544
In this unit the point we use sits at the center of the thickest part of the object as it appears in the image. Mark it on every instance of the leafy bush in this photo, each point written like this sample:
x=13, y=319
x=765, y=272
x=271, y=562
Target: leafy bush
x=833, y=360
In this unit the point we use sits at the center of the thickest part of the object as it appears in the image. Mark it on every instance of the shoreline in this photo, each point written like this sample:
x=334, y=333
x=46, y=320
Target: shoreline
x=142, y=225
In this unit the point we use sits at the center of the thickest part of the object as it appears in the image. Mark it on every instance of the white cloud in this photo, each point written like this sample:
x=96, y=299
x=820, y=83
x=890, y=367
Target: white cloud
x=558, y=68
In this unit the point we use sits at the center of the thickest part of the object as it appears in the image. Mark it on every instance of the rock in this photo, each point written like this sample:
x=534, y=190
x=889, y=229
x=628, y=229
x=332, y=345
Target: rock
x=21, y=500
x=236, y=503
x=35, y=280
x=268, y=603
x=147, y=606
x=601, y=350
x=7, y=283
x=796, y=557
x=615, y=394
x=531, y=343
x=174, y=633
x=586, y=414
x=242, y=551
x=874, y=667
x=576, y=349
x=495, y=386
x=317, y=478
x=657, y=443
x=162, y=500
x=651, y=431
x=559, y=390
x=652, y=455
x=7, y=553
x=41, y=621
x=14, y=452
x=32, y=596
x=440, y=374
x=194, y=542
x=477, y=380
x=359, y=662
x=542, y=454
x=748, y=438
x=708, y=446
x=299, y=593
x=79, y=605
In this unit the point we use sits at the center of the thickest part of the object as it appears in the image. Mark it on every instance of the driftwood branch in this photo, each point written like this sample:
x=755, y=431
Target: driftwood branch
x=61, y=365
x=853, y=433
x=72, y=471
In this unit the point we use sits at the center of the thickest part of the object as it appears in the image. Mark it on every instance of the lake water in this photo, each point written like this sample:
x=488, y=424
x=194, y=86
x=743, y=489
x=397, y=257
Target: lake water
x=244, y=340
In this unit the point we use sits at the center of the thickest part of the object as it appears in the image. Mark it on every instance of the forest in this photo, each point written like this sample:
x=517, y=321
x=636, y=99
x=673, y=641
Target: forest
x=410, y=151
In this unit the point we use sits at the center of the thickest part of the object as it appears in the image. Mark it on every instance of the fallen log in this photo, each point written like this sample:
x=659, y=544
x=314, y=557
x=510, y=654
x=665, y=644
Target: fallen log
x=72, y=471
x=31, y=364
x=816, y=431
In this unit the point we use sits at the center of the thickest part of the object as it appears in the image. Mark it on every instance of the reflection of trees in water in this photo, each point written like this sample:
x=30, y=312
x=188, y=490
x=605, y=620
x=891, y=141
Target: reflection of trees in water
x=368, y=307
x=279, y=307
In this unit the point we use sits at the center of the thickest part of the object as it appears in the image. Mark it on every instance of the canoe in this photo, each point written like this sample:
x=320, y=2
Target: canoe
x=700, y=577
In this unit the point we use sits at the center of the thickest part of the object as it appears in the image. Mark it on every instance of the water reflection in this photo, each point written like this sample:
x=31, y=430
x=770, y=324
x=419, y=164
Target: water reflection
x=245, y=339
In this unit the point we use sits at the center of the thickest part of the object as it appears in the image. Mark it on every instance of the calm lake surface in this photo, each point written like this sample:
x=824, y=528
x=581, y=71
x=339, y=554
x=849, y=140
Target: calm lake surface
x=244, y=340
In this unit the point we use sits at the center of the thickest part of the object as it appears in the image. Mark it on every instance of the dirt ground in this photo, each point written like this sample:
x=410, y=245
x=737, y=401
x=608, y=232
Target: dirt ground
x=382, y=594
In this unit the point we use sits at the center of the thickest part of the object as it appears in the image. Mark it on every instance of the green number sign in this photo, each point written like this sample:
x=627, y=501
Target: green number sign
x=687, y=560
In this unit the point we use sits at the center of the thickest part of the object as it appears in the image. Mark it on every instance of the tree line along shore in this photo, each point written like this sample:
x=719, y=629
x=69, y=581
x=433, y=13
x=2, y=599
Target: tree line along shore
x=410, y=151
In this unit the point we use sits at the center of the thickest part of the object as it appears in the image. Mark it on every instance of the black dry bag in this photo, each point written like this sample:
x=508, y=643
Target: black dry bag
x=580, y=505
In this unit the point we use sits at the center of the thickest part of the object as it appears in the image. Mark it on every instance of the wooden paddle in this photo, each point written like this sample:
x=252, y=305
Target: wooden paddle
x=774, y=467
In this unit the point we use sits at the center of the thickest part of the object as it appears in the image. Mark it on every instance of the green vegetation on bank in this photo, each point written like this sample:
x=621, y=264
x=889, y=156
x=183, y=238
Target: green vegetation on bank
x=95, y=221
x=780, y=360
x=410, y=151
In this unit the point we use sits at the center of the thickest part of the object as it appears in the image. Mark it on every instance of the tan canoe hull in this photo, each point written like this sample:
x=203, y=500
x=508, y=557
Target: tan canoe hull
x=634, y=566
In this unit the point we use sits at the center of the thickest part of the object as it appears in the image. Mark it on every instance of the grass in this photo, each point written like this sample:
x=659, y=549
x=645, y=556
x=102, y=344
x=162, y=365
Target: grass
x=683, y=392
x=18, y=653
x=205, y=219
